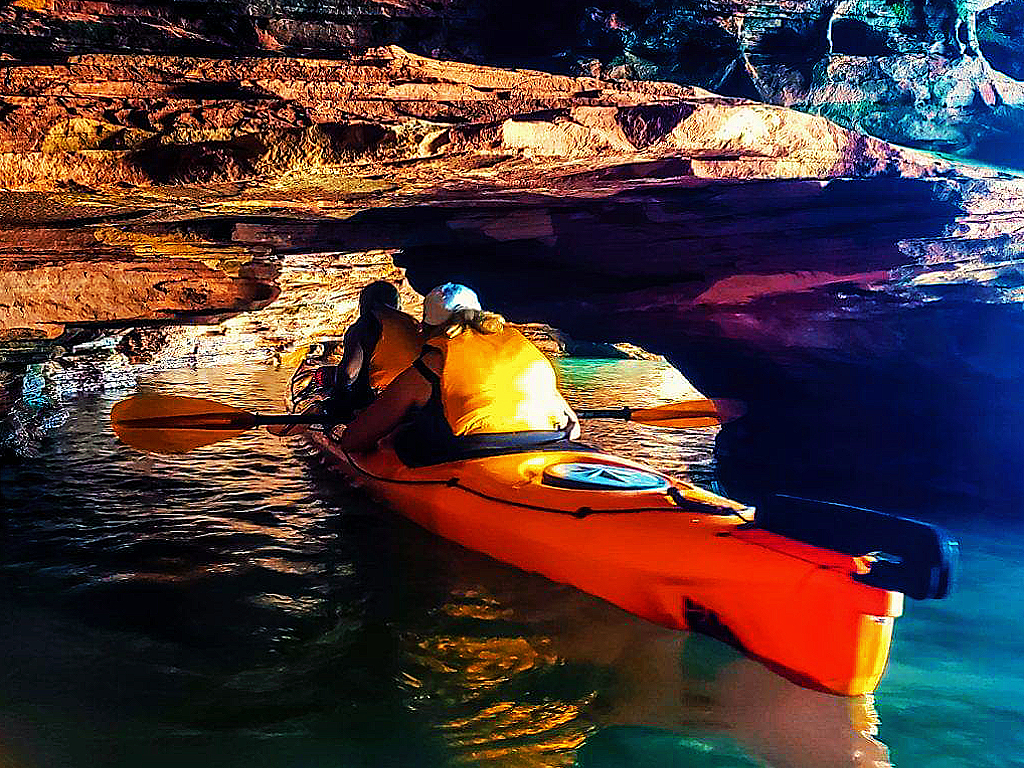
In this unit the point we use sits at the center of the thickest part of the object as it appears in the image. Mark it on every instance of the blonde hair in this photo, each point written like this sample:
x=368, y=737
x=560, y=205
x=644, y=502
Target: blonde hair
x=475, y=319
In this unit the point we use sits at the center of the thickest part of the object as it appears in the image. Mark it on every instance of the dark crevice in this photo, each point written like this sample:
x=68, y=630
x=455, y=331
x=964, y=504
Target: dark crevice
x=856, y=38
x=1001, y=37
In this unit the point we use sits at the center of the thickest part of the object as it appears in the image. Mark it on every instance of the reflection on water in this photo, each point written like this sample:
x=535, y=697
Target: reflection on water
x=241, y=606
x=603, y=687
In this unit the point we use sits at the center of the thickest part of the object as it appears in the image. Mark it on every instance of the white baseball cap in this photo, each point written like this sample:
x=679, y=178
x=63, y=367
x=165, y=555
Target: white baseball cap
x=447, y=299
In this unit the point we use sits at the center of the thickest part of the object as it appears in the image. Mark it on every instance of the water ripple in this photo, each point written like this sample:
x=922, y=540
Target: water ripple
x=240, y=605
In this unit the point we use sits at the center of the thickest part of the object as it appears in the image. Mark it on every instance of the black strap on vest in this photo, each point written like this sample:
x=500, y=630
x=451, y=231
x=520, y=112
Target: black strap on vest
x=425, y=371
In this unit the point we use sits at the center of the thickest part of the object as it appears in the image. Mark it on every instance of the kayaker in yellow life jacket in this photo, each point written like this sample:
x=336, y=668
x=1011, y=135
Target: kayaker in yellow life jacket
x=479, y=385
x=379, y=345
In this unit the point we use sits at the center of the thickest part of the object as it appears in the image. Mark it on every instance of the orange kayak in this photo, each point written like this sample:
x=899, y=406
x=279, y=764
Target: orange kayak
x=658, y=547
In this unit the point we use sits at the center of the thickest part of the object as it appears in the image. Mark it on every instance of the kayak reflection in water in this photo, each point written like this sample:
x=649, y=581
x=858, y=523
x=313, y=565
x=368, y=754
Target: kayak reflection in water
x=698, y=686
x=379, y=345
x=610, y=689
x=477, y=385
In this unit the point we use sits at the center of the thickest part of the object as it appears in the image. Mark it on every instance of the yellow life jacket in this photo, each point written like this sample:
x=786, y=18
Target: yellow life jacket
x=399, y=345
x=497, y=382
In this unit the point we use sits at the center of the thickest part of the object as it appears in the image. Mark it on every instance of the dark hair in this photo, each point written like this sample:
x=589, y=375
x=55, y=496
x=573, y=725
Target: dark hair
x=477, y=319
x=378, y=293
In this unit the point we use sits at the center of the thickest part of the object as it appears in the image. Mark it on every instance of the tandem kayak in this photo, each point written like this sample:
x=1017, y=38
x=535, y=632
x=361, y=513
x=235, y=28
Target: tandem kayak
x=809, y=588
x=670, y=552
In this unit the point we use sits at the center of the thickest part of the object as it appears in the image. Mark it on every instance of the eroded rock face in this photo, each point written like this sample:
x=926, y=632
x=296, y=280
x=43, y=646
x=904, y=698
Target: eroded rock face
x=936, y=74
x=1001, y=37
x=104, y=120
x=329, y=139
x=847, y=289
x=910, y=72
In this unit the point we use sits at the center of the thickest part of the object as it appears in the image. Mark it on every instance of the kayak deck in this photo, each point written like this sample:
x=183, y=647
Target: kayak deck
x=674, y=554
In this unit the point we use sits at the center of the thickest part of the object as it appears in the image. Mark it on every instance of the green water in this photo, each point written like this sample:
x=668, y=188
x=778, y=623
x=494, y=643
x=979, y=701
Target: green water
x=242, y=606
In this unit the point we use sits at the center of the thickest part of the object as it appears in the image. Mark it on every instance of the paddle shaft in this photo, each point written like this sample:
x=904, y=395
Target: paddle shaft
x=605, y=413
x=292, y=418
x=223, y=421
x=234, y=420
x=627, y=413
x=243, y=420
x=176, y=424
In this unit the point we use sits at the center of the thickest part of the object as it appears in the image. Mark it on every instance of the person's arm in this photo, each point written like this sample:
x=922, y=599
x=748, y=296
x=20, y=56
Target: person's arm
x=408, y=390
x=352, y=357
x=574, y=420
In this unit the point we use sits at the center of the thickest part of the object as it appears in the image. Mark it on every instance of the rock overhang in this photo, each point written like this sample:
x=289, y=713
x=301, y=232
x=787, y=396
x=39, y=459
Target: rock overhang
x=769, y=253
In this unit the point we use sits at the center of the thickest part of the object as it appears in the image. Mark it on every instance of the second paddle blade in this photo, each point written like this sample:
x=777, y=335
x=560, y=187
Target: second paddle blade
x=694, y=413
x=173, y=424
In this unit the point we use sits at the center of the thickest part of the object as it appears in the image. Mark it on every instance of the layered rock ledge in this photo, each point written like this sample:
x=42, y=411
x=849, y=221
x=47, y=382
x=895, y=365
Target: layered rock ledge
x=849, y=290
x=129, y=147
x=943, y=74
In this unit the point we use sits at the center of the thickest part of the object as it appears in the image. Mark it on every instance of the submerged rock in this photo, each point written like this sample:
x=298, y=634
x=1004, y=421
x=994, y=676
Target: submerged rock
x=36, y=408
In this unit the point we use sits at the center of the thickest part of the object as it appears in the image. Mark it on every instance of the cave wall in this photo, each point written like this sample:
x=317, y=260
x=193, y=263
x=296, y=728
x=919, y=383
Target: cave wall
x=936, y=74
x=862, y=298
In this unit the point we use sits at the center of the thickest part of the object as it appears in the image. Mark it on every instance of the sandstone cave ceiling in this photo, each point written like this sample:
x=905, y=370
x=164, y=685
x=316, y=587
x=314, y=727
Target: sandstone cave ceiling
x=176, y=173
x=935, y=74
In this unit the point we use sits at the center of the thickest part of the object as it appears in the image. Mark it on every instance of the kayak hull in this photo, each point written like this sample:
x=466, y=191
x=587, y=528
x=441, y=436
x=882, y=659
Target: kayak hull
x=688, y=560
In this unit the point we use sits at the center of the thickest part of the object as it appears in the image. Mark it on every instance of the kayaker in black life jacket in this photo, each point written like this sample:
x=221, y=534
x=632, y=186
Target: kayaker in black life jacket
x=479, y=385
x=379, y=345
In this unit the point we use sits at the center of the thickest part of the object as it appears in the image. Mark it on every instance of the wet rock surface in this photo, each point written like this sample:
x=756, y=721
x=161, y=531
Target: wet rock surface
x=847, y=289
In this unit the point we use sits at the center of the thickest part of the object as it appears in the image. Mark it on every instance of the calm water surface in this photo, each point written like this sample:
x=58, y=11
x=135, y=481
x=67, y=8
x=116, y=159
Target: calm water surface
x=241, y=606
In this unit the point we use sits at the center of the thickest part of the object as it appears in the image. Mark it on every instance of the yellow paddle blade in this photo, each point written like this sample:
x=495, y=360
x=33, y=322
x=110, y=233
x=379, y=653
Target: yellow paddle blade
x=690, y=413
x=172, y=424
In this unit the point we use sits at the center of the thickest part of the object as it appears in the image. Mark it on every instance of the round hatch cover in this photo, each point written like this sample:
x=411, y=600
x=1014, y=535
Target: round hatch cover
x=604, y=477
